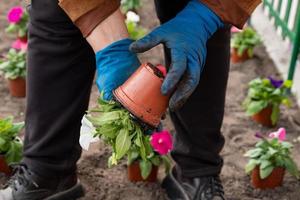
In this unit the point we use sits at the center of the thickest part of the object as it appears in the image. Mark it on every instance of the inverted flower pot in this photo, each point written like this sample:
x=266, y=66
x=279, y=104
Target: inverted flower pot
x=264, y=117
x=4, y=168
x=141, y=95
x=17, y=87
x=274, y=180
x=134, y=173
x=236, y=58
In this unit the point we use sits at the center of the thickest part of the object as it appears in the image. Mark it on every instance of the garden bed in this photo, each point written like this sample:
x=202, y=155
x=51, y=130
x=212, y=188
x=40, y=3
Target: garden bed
x=112, y=184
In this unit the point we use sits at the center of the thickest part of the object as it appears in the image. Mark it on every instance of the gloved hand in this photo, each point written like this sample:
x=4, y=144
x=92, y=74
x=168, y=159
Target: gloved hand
x=186, y=36
x=115, y=63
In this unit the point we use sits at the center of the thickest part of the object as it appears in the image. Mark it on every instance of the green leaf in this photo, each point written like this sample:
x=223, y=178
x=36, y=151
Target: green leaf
x=272, y=151
x=108, y=131
x=155, y=160
x=265, y=172
x=146, y=167
x=265, y=163
x=123, y=143
x=167, y=163
x=14, y=153
x=275, y=114
x=253, y=153
x=255, y=107
x=250, y=165
x=132, y=156
x=291, y=166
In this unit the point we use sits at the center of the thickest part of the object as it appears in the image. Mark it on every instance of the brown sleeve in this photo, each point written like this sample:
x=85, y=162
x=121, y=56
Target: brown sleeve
x=235, y=12
x=87, y=14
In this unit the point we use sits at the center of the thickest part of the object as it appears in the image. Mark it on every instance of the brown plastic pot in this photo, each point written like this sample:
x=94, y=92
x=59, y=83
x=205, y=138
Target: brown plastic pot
x=275, y=179
x=235, y=58
x=17, y=87
x=264, y=117
x=141, y=95
x=4, y=168
x=134, y=173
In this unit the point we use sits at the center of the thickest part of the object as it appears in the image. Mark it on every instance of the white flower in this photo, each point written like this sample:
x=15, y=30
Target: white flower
x=132, y=17
x=87, y=132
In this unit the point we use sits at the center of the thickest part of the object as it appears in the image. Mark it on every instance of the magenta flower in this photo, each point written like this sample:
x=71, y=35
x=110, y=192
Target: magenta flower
x=15, y=14
x=19, y=45
x=280, y=134
x=162, y=142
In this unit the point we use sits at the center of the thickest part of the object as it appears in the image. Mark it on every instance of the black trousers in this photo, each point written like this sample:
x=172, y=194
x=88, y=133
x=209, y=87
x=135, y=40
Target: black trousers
x=61, y=67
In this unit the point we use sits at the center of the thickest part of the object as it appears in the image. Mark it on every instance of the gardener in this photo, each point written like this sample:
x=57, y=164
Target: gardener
x=61, y=67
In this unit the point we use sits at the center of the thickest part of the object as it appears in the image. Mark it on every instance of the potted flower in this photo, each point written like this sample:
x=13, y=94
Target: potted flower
x=243, y=44
x=269, y=160
x=127, y=137
x=18, y=20
x=10, y=144
x=13, y=65
x=264, y=99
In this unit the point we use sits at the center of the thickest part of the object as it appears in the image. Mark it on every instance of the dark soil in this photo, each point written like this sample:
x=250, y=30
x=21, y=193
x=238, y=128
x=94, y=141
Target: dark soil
x=102, y=183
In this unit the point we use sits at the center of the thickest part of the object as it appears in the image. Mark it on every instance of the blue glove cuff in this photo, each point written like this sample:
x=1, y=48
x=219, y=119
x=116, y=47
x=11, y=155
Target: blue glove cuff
x=115, y=48
x=115, y=63
x=212, y=21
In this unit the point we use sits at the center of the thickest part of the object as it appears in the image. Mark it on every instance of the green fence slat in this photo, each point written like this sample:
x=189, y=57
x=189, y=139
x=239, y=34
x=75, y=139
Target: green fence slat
x=296, y=48
x=286, y=17
x=278, y=11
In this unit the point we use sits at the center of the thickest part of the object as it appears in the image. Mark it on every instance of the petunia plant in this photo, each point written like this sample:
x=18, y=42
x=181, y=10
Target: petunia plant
x=13, y=65
x=115, y=126
x=245, y=40
x=18, y=19
x=270, y=153
x=267, y=92
x=10, y=143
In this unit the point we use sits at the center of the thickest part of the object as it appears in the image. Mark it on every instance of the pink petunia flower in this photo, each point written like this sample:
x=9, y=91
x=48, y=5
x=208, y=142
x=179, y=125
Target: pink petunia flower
x=15, y=14
x=19, y=45
x=162, y=142
x=280, y=134
x=162, y=69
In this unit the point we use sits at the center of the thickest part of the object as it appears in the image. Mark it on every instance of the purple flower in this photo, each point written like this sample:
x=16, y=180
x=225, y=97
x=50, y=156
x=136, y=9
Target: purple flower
x=258, y=135
x=276, y=83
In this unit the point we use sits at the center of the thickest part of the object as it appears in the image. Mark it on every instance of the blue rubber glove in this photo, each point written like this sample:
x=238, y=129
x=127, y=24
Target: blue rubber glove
x=115, y=63
x=186, y=36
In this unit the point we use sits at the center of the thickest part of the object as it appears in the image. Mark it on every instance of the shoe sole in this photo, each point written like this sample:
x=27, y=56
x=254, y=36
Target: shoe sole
x=73, y=193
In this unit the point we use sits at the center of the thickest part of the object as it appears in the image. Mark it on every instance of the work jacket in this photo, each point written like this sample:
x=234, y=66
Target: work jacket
x=87, y=14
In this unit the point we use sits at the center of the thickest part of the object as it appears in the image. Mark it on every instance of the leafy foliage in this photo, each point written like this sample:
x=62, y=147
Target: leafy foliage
x=127, y=5
x=115, y=127
x=262, y=93
x=245, y=40
x=269, y=154
x=10, y=144
x=14, y=64
x=135, y=31
x=20, y=28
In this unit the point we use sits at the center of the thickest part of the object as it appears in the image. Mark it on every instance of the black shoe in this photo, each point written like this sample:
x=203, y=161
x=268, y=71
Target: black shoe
x=202, y=188
x=25, y=185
